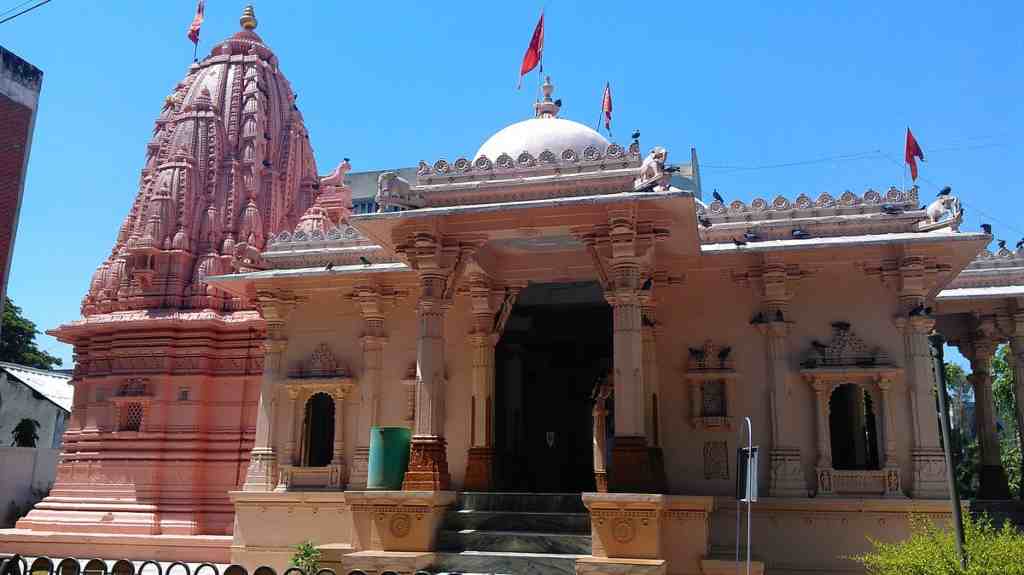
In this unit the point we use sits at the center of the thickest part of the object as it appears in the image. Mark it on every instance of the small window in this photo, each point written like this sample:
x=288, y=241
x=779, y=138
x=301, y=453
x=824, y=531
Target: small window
x=713, y=393
x=131, y=417
x=183, y=394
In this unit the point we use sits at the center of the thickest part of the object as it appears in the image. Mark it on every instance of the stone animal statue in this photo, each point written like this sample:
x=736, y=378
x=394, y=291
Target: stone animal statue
x=941, y=206
x=395, y=191
x=653, y=171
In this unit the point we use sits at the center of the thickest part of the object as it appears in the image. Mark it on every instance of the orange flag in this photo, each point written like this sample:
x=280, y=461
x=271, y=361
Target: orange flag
x=197, y=23
x=535, y=52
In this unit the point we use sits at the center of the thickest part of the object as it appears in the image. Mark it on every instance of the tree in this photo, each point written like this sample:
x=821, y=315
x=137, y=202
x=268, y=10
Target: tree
x=18, y=340
x=962, y=441
x=1006, y=413
x=24, y=433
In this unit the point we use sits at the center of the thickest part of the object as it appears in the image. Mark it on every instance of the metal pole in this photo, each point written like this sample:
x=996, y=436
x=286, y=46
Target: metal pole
x=750, y=475
x=936, y=341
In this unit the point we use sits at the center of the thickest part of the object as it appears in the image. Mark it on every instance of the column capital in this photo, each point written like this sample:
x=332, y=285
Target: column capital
x=918, y=324
x=773, y=328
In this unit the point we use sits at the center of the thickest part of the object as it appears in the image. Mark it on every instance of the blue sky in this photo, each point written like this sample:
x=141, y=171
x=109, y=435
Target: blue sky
x=751, y=85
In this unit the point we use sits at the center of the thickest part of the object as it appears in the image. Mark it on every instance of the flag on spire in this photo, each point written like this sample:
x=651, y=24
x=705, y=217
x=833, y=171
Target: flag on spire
x=913, y=152
x=197, y=23
x=535, y=52
x=606, y=106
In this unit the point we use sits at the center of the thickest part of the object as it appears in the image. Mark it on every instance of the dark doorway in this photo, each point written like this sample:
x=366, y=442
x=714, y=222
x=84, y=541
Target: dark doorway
x=318, y=428
x=555, y=347
x=853, y=428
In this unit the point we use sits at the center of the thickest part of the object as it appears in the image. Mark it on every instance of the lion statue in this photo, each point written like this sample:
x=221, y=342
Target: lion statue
x=653, y=171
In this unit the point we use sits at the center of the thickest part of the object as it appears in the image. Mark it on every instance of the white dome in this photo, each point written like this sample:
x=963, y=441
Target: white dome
x=538, y=134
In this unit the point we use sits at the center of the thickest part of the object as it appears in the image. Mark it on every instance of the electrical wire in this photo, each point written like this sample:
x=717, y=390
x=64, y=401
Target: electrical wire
x=16, y=7
x=25, y=11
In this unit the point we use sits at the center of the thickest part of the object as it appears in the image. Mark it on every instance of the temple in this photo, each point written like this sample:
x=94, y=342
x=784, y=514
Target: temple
x=572, y=335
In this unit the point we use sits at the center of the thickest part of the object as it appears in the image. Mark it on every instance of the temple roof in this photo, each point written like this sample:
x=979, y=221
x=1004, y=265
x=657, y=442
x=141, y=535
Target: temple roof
x=545, y=132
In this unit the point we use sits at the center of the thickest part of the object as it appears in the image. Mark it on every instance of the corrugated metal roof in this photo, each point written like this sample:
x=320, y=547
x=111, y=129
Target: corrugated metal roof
x=53, y=385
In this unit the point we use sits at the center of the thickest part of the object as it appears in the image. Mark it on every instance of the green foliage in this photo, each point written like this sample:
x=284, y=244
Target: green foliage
x=24, y=433
x=1006, y=411
x=931, y=550
x=18, y=340
x=307, y=557
x=964, y=447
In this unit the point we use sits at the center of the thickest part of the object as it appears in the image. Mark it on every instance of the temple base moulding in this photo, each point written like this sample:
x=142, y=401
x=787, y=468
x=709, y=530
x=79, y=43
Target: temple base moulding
x=428, y=465
x=929, y=474
x=404, y=521
x=479, y=469
x=787, y=474
x=630, y=467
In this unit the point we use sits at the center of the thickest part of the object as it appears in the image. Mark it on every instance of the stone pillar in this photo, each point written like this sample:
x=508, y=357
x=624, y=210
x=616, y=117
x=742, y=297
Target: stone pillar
x=369, y=301
x=288, y=441
x=926, y=453
x=428, y=455
x=262, y=471
x=480, y=460
x=993, y=476
x=338, y=455
x=630, y=469
x=787, y=476
x=600, y=415
x=652, y=391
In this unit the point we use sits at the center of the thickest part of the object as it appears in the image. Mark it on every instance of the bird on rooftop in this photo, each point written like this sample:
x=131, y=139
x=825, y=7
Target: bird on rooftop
x=635, y=135
x=891, y=209
x=738, y=242
x=917, y=310
x=717, y=196
x=779, y=316
x=945, y=191
x=1001, y=244
x=329, y=266
x=987, y=228
x=365, y=261
x=757, y=319
x=647, y=284
x=751, y=236
x=558, y=102
x=704, y=222
x=799, y=234
x=1020, y=244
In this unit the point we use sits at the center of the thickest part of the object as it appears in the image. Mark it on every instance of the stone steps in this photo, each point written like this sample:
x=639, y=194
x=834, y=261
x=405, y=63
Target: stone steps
x=518, y=521
x=504, y=562
x=520, y=533
x=514, y=542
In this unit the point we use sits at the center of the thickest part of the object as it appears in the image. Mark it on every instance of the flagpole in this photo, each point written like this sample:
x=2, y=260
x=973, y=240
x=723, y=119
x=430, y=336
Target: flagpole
x=195, y=51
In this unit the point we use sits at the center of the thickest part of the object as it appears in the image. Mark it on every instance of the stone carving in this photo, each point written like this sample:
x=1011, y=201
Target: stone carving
x=716, y=460
x=653, y=171
x=710, y=356
x=941, y=206
x=758, y=207
x=321, y=364
x=400, y=525
x=623, y=530
x=394, y=191
x=844, y=350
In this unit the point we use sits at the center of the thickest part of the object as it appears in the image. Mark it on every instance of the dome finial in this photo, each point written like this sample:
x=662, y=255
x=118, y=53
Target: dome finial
x=546, y=108
x=248, y=19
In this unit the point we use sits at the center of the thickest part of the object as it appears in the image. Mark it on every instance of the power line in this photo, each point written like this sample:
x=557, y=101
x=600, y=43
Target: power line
x=25, y=11
x=16, y=7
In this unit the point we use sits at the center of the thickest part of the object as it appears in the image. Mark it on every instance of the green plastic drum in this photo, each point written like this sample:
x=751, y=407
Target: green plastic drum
x=389, y=457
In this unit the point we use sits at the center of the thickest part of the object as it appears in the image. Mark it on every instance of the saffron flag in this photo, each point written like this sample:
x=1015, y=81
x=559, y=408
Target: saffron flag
x=912, y=153
x=606, y=106
x=197, y=23
x=535, y=52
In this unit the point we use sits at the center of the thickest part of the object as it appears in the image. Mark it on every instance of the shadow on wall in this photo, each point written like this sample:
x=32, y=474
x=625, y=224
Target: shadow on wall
x=26, y=476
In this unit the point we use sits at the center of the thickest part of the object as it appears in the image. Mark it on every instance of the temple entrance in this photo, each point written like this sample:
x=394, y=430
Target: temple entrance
x=556, y=345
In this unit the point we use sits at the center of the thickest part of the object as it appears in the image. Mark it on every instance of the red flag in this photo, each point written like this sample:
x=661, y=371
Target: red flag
x=606, y=106
x=913, y=151
x=197, y=23
x=535, y=52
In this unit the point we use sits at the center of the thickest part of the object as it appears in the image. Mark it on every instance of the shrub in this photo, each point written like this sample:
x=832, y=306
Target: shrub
x=307, y=557
x=931, y=550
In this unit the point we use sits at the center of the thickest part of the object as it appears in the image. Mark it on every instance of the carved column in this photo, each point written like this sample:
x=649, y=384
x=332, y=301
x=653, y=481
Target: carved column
x=893, y=481
x=480, y=460
x=262, y=472
x=787, y=474
x=630, y=243
x=993, y=476
x=369, y=301
x=823, y=464
x=288, y=441
x=926, y=453
x=338, y=455
x=652, y=392
x=428, y=458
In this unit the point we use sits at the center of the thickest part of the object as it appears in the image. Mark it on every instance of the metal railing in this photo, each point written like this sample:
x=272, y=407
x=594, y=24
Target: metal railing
x=18, y=565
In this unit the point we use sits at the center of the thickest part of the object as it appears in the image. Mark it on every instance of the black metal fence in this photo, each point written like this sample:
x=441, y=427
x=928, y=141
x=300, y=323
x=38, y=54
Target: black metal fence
x=18, y=565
